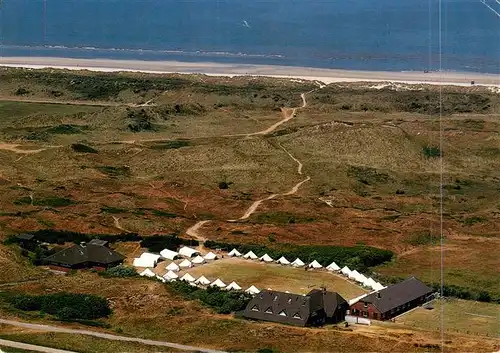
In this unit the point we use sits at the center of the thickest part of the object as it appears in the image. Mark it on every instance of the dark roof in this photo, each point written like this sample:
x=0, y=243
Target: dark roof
x=268, y=305
x=98, y=242
x=330, y=301
x=398, y=294
x=25, y=236
x=89, y=253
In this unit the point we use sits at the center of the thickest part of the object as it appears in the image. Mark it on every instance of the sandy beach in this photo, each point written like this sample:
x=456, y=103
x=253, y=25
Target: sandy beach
x=217, y=69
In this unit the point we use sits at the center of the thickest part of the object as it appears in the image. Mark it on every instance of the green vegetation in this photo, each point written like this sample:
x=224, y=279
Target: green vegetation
x=64, y=306
x=170, y=145
x=65, y=129
x=115, y=172
x=157, y=243
x=121, y=271
x=47, y=201
x=423, y=238
x=141, y=120
x=367, y=176
x=114, y=210
x=473, y=220
x=431, y=152
x=281, y=218
x=81, y=148
x=360, y=257
x=222, y=301
x=161, y=213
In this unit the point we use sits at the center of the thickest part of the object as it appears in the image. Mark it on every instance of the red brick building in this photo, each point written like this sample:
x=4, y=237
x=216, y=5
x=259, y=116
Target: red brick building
x=392, y=301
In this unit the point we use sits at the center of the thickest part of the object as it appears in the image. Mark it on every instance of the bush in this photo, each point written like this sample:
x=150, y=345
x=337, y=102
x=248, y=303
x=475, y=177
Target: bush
x=431, y=152
x=81, y=148
x=170, y=145
x=65, y=306
x=359, y=256
x=141, y=121
x=65, y=129
x=119, y=271
x=222, y=301
x=157, y=243
x=48, y=201
x=115, y=172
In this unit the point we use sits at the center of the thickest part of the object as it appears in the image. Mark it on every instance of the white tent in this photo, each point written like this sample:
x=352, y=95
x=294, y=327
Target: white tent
x=188, y=252
x=367, y=282
x=266, y=258
x=198, y=260
x=170, y=275
x=185, y=264
x=172, y=267
x=153, y=257
x=203, y=281
x=148, y=273
x=252, y=290
x=188, y=278
x=234, y=252
x=143, y=262
x=378, y=286
x=361, y=278
x=298, y=263
x=282, y=260
x=333, y=267
x=233, y=285
x=354, y=275
x=250, y=255
x=161, y=278
x=315, y=264
x=168, y=254
x=345, y=270
x=218, y=283
x=210, y=256
x=370, y=282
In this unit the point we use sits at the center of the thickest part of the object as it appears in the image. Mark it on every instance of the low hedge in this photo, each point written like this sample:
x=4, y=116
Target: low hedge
x=360, y=256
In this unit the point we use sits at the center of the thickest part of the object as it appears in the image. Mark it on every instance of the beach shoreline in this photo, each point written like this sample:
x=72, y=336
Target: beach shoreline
x=325, y=76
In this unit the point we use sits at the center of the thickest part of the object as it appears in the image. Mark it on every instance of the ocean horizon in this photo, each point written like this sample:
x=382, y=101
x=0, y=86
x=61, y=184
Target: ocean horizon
x=387, y=35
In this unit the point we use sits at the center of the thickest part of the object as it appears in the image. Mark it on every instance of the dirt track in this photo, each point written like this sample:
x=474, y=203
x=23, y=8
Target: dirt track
x=49, y=328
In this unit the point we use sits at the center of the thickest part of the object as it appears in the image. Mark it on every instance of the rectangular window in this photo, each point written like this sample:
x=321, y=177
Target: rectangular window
x=365, y=314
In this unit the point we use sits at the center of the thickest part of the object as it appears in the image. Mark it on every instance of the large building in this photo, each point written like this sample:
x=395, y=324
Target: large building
x=316, y=308
x=392, y=300
x=95, y=255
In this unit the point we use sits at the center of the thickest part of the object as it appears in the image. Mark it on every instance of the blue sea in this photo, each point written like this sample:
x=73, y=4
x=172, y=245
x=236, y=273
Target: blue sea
x=393, y=35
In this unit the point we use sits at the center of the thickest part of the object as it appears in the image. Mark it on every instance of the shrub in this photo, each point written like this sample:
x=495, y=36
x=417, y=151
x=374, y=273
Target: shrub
x=65, y=129
x=431, y=152
x=473, y=220
x=81, y=148
x=359, y=256
x=170, y=145
x=115, y=172
x=48, y=201
x=21, y=91
x=119, y=271
x=65, y=306
x=367, y=176
x=223, y=185
x=157, y=243
x=222, y=301
x=141, y=121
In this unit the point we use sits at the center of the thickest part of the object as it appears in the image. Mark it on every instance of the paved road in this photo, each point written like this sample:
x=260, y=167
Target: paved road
x=30, y=347
x=49, y=328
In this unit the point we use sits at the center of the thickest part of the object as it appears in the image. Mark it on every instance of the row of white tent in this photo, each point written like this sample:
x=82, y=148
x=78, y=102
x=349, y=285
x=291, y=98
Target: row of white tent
x=150, y=260
x=283, y=260
x=201, y=281
x=359, y=277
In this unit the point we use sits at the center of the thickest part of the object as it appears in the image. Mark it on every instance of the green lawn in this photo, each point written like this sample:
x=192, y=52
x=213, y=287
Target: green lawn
x=277, y=277
x=462, y=316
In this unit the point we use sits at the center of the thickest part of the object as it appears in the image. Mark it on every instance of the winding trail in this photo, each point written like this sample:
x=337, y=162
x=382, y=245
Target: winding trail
x=50, y=328
x=253, y=207
x=116, y=222
x=14, y=147
x=193, y=231
x=30, y=347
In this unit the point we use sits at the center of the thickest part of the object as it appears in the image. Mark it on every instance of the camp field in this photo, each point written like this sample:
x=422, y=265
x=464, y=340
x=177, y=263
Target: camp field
x=277, y=277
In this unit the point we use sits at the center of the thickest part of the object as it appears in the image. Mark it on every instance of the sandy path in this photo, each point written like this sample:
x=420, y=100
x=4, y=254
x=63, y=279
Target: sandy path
x=193, y=231
x=50, y=328
x=116, y=222
x=14, y=147
x=295, y=188
x=30, y=347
